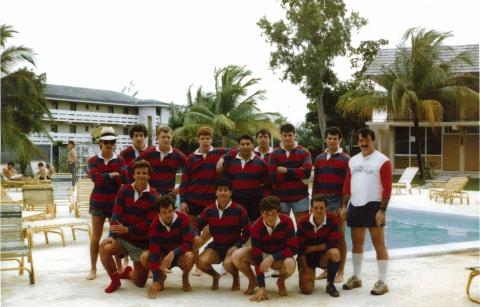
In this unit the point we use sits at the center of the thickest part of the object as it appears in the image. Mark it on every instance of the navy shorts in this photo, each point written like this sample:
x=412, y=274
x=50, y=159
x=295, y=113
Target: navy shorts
x=221, y=250
x=363, y=216
x=313, y=260
x=99, y=213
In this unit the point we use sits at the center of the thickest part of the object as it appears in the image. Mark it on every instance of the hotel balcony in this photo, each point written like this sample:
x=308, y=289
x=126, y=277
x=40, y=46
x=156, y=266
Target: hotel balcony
x=42, y=139
x=92, y=117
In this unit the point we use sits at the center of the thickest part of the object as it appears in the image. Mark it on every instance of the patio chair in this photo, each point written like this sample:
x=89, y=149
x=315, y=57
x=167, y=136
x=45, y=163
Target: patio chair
x=56, y=225
x=452, y=189
x=62, y=190
x=39, y=198
x=12, y=242
x=405, y=181
x=475, y=271
x=84, y=189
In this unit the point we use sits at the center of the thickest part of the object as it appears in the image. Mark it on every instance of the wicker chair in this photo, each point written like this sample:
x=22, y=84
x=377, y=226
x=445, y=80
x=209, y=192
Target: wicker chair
x=452, y=189
x=39, y=198
x=12, y=243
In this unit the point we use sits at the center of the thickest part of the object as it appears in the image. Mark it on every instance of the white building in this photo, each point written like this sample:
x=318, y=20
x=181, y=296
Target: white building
x=77, y=111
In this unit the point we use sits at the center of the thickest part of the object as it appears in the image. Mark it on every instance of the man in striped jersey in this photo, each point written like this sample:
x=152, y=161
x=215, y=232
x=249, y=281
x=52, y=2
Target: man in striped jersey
x=230, y=229
x=108, y=172
x=137, y=133
x=165, y=161
x=263, y=150
x=367, y=191
x=318, y=241
x=133, y=212
x=274, y=244
x=171, y=243
x=249, y=174
x=330, y=170
x=290, y=166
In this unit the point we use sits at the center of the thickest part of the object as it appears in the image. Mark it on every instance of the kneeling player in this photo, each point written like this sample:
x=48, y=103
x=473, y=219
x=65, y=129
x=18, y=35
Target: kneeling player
x=230, y=229
x=273, y=246
x=171, y=244
x=318, y=242
x=133, y=211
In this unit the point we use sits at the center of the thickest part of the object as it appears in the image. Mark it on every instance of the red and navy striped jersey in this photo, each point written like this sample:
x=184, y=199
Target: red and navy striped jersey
x=198, y=178
x=105, y=188
x=128, y=154
x=233, y=228
x=135, y=215
x=281, y=244
x=164, y=171
x=329, y=175
x=265, y=158
x=178, y=239
x=247, y=182
x=289, y=186
x=328, y=234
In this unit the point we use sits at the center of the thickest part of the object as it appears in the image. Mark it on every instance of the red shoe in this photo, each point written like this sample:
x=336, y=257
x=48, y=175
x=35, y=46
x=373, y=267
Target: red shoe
x=115, y=284
x=126, y=273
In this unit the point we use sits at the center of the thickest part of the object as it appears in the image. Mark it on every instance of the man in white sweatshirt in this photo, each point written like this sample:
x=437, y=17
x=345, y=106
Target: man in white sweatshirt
x=367, y=190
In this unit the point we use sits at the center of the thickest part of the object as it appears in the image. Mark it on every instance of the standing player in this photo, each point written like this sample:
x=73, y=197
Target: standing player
x=274, y=244
x=290, y=165
x=165, y=161
x=249, y=174
x=229, y=227
x=318, y=240
x=108, y=172
x=137, y=133
x=330, y=170
x=171, y=243
x=133, y=212
x=263, y=137
x=367, y=191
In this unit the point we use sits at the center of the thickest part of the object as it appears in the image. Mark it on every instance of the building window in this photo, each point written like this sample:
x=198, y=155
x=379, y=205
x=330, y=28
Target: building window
x=422, y=141
x=54, y=105
x=73, y=129
x=110, y=109
x=158, y=111
x=86, y=128
x=125, y=110
x=471, y=130
x=53, y=128
x=401, y=140
x=125, y=130
x=87, y=106
x=97, y=107
x=434, y=141
x=73, y=106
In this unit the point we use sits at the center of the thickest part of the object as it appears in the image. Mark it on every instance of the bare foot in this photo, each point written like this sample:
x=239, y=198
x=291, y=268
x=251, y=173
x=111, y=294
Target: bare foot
x=251, y=288
x=92, y=275
x=186, y=284
x=235, y=283
x=216, y=279
x=162, y=286
x=338, y=278
x=282, y=290
x=322, y=275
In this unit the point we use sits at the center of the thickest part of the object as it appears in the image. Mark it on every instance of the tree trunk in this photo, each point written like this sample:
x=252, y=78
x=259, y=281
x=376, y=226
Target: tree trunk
x=322, y=117
x=416, y=132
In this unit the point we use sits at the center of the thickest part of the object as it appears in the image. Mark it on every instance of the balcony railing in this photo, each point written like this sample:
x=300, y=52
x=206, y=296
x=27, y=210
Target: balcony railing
x=42, y=139
x=92, y=117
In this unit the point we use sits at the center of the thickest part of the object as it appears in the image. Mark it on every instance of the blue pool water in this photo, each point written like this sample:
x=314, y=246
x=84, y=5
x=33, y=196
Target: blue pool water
x=410, y=228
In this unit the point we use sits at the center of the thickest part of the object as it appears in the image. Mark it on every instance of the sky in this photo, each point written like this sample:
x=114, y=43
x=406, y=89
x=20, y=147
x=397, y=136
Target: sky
x=166, y=46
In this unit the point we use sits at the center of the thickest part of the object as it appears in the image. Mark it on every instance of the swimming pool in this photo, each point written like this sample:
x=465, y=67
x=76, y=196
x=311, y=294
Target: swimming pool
x=412, y=228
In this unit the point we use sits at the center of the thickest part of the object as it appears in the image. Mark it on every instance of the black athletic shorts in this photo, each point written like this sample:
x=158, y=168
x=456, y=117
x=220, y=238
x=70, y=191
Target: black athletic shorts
x=221, y=250
x=363, y=216
x=313, y=259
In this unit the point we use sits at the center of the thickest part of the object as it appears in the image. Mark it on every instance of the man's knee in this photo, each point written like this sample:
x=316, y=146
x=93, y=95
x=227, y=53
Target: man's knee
x=289, y=265
x=144, y=259
x=333, y=254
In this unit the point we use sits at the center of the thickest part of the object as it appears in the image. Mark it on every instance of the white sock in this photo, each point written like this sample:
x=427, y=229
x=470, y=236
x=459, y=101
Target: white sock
x=357, y=259
x=382, y=270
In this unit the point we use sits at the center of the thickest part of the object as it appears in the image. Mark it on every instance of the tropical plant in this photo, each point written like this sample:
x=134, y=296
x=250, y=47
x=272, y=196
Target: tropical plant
x=418, y=84
x=231, y=110
x=23, y=102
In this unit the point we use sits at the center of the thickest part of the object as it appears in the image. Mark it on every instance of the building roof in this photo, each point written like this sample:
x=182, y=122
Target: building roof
x=386, y=57
x=91, y=95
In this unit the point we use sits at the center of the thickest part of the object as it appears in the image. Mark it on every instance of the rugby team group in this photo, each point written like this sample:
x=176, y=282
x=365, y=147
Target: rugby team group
x=236, y=203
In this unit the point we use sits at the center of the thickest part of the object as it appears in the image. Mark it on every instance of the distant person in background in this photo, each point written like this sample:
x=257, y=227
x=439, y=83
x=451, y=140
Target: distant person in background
x=50, y=171
x=42, y=171
x=11, y=173
x=72, y=161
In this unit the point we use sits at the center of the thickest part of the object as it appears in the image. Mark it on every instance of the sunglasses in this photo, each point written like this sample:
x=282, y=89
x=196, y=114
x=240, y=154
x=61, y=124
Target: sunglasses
x=111, y=142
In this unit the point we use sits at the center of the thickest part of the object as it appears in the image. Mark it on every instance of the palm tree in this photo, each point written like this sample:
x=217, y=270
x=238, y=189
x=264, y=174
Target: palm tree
x=23, y=102
x=231, y=110
x=418, y=83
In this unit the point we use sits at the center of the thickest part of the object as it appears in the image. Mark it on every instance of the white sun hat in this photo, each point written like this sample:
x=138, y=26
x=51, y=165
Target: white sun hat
x=108, y=134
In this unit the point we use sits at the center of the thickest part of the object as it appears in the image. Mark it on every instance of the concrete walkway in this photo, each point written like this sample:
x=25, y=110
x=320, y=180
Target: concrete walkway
x=414, y=281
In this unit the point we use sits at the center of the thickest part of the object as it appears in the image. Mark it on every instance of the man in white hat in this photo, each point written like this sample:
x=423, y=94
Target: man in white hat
x=108, y=172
